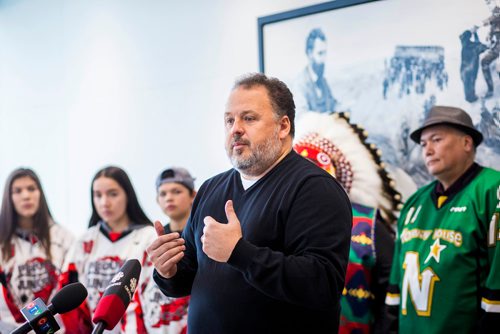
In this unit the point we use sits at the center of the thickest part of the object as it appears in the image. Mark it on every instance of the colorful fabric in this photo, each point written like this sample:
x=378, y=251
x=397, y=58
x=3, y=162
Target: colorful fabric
x=357, y=298
x=340, y=148
x=327, y=156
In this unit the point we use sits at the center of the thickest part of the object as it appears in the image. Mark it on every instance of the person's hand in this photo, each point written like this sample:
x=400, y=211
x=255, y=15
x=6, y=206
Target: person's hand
x=166, y=251
x=219, y=239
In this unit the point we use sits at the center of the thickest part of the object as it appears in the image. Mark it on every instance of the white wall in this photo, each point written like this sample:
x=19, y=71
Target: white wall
x=138, y=84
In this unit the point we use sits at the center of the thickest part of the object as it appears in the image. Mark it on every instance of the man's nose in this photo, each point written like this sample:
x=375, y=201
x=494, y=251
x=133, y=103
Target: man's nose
x=237, y=128
x=428, y=149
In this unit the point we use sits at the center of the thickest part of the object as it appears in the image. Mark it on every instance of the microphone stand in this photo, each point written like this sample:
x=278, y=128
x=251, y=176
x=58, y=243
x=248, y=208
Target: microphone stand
x=99, y=328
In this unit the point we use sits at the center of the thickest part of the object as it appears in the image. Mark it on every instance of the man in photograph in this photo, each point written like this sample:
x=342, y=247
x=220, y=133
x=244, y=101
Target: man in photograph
x=312, y=92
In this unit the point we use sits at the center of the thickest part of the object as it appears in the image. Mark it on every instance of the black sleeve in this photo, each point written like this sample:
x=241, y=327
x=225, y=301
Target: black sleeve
x=489, y=322
x=392, y=320
x=310, y=271
x=180, y=285
x=384, y=248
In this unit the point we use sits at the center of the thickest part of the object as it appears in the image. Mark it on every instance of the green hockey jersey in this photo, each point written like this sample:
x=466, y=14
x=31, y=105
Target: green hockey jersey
x=446, y=263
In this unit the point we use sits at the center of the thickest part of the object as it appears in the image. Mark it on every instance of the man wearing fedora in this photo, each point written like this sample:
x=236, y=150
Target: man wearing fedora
x=445, y=275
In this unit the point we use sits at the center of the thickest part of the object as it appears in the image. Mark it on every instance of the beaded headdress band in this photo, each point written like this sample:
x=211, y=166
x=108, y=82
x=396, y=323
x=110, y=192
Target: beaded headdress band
x=341, y=148
x=327, y=156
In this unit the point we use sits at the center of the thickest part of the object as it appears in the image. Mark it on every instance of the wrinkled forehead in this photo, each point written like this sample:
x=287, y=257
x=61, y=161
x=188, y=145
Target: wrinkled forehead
x=244, y=99
x=442, y=130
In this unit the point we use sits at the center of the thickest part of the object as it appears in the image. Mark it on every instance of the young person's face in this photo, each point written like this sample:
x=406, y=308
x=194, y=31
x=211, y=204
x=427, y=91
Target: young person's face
x=25, y=196
x=109, y=199
x=175, y=200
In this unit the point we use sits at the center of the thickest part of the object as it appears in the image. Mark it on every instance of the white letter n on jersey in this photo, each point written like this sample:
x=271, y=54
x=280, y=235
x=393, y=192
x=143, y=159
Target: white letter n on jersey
x=420, y=285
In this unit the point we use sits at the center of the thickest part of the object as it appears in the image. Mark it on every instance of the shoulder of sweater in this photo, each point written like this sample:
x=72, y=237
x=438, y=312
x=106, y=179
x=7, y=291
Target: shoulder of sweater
x=218, y=178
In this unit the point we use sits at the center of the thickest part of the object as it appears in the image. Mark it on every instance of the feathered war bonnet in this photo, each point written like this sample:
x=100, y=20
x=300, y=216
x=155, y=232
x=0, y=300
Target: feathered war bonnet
x=340, y=148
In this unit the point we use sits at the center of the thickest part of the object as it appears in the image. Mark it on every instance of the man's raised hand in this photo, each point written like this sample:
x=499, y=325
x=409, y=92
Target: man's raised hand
x=219, y=239
x=166, y=251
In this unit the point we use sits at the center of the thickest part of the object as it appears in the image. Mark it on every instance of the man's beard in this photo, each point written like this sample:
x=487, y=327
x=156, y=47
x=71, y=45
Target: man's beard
x=263, y=156
x=319, y=69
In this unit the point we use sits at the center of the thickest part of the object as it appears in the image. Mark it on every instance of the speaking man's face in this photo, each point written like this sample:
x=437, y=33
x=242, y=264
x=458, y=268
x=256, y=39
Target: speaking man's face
x=253, y=132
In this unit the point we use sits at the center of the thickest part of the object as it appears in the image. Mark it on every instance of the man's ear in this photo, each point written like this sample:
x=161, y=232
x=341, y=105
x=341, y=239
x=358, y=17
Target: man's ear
x=285, y=127
x=468, y=143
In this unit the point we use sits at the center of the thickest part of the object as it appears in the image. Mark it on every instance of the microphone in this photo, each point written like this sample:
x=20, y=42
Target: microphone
x=40, y=318
x=117, y=296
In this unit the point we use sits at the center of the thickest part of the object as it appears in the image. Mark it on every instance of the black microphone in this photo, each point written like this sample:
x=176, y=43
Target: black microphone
x=40, y=318
x=117, y=296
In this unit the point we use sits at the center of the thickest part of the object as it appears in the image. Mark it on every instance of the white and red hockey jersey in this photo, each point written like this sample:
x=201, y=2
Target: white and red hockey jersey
x=29, y=274
x=95, y=259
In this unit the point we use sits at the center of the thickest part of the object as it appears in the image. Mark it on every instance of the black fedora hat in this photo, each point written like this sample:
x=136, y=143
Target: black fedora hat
x=454, y=117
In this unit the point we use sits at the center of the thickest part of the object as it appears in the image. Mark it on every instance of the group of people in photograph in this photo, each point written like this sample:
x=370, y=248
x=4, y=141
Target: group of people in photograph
x=307, y=233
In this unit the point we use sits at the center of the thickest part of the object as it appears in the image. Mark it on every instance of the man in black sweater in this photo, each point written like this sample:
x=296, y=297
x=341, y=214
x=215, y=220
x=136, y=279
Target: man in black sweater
x=265, y=249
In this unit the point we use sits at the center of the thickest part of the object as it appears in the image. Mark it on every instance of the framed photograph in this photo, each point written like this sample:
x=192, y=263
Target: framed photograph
x=386, y=63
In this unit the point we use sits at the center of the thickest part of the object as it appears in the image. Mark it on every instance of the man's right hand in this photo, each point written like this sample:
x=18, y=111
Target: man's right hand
x=166, y=251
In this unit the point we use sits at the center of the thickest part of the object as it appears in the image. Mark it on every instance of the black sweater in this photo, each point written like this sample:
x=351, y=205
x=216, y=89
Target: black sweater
x=287, y=272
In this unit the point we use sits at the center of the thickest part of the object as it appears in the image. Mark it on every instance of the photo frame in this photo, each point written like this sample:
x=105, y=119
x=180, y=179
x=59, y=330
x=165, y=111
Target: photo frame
x=387, y=63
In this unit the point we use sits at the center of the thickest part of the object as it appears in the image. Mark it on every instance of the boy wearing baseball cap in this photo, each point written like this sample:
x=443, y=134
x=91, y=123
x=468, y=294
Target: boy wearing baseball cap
x=175, y=195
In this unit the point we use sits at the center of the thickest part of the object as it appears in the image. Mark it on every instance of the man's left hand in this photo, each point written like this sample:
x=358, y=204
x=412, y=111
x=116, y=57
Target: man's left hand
x=219, y=239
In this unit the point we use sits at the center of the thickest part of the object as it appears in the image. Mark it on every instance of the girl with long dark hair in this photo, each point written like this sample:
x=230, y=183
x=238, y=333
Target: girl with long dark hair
x=32, y=245
x=118, y=230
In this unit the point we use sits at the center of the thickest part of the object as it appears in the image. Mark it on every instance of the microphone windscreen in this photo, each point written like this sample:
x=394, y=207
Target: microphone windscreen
x=68, y=298
x=118, y=294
